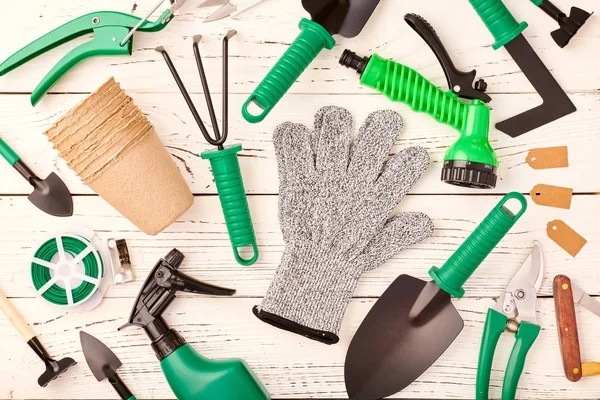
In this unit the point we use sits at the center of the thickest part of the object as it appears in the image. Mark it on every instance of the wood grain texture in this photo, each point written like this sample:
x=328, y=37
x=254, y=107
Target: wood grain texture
x=293, y=367
x=567, y=327
x=15, y=318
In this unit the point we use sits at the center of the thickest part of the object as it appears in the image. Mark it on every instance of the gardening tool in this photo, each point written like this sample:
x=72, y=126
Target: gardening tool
x=190, y=375
x=49, y=195
x=515, y=312
x=228, y=9
x=112, y=31
x=414, y=322
x=470, y=161
x=53, y=368
x=224, y=161
x=508, y=33
x=329, y=17
x=569, y=26
x=566, y=294
x=104, y=364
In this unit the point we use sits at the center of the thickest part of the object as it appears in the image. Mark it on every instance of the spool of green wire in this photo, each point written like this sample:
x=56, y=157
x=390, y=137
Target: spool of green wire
x=64, y=259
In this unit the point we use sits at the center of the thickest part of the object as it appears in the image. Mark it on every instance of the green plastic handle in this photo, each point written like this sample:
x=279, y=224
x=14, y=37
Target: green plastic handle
x=132, y=398
x=499, y=21
x=109, y=28
x=312, y=40
x=8, y=153
x=537, y=2
x=525, y=336
x=495, y=324
x=403, y=84
x=230, y=186
x=461, y=265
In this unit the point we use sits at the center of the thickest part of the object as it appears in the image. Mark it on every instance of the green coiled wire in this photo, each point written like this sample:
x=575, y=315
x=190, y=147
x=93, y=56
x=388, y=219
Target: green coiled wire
x=73, y=245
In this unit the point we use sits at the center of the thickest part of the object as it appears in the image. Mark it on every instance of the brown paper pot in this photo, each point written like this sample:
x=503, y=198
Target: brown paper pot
x=144, y=185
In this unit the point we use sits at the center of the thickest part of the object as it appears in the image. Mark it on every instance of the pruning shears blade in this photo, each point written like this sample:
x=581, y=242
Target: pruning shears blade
x=531, y=272
x=211, y=3
x=222, y=12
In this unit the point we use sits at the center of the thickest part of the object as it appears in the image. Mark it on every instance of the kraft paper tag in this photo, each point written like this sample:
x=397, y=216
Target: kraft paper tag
x=564, y=236
x=552, y=196
x=549, y=157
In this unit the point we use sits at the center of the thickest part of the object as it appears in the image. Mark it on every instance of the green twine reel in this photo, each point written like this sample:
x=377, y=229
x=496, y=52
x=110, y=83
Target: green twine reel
x=65, y=259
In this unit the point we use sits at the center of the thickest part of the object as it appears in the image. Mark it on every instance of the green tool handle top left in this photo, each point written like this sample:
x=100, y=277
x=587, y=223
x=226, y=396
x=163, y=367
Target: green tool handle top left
x=109, y=28
x=307, y=46
x=8, y=153
x=495, y=325
x=461, y=265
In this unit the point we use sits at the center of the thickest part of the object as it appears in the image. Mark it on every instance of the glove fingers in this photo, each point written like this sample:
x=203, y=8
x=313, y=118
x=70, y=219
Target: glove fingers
x=402, y=172
x=331, y=139
x=293, y=150
x=401, y=232
x=373, y=144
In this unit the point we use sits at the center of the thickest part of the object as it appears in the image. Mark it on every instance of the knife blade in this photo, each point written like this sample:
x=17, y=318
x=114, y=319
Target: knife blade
x=579, y=296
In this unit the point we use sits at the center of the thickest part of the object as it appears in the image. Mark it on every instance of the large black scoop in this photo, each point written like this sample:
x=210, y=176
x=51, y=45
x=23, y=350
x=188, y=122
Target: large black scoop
x=414, y=321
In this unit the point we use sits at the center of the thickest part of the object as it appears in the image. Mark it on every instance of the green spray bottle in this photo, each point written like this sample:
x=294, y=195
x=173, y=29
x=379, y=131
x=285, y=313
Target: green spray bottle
x=191, y=376
x=470, y=161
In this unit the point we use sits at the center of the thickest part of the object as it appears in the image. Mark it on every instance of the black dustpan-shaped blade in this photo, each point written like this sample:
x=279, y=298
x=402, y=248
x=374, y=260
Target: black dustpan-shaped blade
x=400, y=338
x=359, y=13
x=51, y=196
x=101, y=360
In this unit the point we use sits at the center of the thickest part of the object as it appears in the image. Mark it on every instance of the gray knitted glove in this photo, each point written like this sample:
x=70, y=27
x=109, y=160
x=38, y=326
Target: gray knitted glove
x=334, y=208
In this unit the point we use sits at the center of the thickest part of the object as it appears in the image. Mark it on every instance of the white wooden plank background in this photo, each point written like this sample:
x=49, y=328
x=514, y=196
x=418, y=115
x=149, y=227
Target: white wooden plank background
x=290, y=366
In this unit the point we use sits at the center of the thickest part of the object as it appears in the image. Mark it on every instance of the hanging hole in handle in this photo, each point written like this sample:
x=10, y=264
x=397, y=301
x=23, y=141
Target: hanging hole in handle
x=513, y=205
x=246, y=251
x=253, y=111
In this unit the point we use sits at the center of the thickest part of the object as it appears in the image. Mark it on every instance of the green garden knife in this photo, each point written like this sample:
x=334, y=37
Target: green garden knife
x=113, y=35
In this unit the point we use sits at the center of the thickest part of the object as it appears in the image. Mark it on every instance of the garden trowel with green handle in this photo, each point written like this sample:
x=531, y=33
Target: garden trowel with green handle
x=414, y=322
x=328, y=17
x=49, y=195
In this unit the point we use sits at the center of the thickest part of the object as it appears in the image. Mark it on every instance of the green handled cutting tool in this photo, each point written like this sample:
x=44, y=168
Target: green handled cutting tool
x=515, y=312
x=113, y=35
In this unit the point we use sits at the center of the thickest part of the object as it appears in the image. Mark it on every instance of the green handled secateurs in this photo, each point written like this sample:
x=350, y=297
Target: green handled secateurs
x=113, y=35
x=469, y=162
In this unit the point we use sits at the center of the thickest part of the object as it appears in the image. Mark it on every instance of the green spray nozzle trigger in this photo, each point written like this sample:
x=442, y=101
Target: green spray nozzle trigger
x=470, y=161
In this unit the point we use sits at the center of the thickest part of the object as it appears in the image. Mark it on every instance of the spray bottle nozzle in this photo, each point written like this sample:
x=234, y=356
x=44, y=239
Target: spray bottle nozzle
x=157, y=293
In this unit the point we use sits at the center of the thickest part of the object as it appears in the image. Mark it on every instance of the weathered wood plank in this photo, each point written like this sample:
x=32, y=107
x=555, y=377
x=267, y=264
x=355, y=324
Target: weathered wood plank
x=201, y=235
x=266, y=31
x=22, y=127
x=290, y=366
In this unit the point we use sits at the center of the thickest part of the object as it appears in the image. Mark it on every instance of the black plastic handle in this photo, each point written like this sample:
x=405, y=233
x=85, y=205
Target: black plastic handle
x=460, y=82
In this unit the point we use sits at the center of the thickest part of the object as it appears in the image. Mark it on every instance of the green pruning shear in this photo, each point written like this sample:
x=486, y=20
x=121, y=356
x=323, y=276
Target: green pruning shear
x=113, y=35
x=515, y=312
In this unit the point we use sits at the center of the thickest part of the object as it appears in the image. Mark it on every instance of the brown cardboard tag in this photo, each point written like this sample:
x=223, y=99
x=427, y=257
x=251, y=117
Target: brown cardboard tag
x=564, y=236
x=552, y=196
x=549, y=157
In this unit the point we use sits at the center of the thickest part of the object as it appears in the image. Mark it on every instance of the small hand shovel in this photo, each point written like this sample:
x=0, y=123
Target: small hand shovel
x=414, y=321
x=49, y=195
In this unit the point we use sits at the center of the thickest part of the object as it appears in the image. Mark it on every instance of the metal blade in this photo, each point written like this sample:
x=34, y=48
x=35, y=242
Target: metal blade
x=579, y=296
x=406, y=331
x=359, y=13
x=211, y=3
x=99, y=358
x=525, y=285
x=52, y=196
x=222, y=12
x=556, y=104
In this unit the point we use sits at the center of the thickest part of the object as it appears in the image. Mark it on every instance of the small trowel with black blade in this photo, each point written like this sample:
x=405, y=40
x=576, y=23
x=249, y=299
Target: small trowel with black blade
x=49, y=195
x=569, y=25
x=104, y=364
x=508, y=33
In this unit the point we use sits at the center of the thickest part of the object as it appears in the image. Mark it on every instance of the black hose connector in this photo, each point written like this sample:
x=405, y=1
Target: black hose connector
x=349, y=59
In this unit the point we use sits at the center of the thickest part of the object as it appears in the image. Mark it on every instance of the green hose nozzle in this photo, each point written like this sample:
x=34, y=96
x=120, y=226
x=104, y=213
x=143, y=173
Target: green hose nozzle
x=230, y=187
x=469, y=162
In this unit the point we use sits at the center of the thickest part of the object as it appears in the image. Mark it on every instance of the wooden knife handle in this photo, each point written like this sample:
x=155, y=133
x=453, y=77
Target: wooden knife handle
x=567, y=327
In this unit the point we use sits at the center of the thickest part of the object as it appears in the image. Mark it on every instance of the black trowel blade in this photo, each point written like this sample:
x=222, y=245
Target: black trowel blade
x=359, y=13
x=52, y=196
x=406, y=331
x=101, y=360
